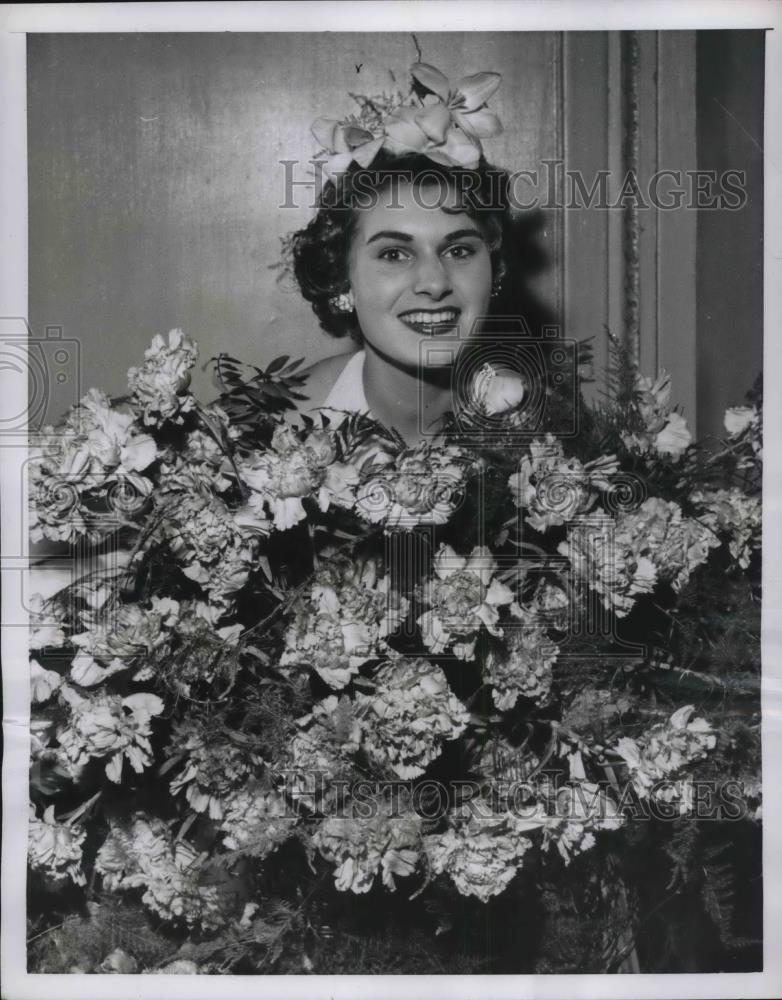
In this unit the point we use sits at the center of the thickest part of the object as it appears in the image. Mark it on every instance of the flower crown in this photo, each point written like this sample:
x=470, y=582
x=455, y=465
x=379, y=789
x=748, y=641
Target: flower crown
x=445, y=122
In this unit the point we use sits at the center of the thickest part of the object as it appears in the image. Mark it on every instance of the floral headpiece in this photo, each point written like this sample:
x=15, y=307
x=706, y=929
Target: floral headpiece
x=445, y=123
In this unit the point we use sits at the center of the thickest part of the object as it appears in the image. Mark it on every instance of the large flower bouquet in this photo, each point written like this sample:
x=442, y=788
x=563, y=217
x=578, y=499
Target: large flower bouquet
x=317, y=701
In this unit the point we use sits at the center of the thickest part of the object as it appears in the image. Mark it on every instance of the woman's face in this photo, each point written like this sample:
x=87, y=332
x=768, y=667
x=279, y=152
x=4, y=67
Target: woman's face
x=418, y=272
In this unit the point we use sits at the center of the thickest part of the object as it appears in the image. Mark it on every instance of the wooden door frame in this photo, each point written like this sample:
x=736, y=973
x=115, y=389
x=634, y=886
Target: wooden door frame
x=628, y=104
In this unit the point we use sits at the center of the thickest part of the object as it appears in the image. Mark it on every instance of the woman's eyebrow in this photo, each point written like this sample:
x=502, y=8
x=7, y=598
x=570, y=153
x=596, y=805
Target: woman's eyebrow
x=393, y=234
x=390, y=234
x=460, y=234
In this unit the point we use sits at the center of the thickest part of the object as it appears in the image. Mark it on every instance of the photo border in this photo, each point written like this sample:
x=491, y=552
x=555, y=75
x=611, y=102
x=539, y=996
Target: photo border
x=456, y=15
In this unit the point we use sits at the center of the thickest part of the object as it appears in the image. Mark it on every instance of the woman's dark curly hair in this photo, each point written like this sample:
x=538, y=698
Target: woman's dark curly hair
x=320, y=250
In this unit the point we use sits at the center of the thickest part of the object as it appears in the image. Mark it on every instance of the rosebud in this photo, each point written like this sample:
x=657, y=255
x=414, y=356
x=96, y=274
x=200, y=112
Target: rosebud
x=498, y=392
x=739, y=418
x=675, y=437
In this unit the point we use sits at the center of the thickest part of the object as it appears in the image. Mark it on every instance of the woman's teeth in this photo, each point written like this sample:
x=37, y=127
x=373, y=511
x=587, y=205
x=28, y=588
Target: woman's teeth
x=427, y=322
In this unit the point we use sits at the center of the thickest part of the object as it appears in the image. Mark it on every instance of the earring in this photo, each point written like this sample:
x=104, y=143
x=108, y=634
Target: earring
x=343, y=303
x=496, y=288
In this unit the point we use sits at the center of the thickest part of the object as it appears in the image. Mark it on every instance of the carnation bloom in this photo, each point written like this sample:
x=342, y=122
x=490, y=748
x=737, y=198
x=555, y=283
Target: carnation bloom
x=96, y=455
x=686, y=546
x=732, y=513
x=119, y=635
x=214, y=767
x=421, y=486
x=605, y=560
x=256, y=818
x=409, y=714
x=344, y=621
x=212, y=546
x=552, y=489
x=47, y=637
x=481, y=855
x=203, y=651
x=290, y=471
x=573, y=814
x=44, y=632
x=521, y=666
x=463, y=596
x=107, y=725
x=664, y=750
x=361, y=845
x=55, y=848
x=160, y=385
x=323, y=749
x=623, y=558
x=675, y=544
x=43, y=683
x=108, y=438
x=143, y=855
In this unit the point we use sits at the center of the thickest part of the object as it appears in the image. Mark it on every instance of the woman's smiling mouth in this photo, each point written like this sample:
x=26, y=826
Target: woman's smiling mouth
x=431, y=322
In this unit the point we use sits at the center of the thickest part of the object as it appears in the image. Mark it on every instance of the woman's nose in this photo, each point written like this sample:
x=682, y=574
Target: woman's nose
x=432, y=278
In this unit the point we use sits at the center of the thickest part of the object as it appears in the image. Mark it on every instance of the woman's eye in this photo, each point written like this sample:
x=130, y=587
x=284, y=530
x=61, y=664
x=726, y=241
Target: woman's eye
x=393, y=254
x=460, y=252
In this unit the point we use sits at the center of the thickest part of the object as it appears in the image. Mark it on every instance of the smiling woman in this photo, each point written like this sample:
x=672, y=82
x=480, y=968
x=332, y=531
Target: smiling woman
x=402, y=253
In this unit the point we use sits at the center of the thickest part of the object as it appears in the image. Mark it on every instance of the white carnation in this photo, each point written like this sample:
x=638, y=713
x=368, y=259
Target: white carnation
x=56, y=848
x=143, y=855
x=522, y=666
x=160, y=385
x=552, y=489
x=256, y=818
x=344, y=620
x=360, y=847
x=107, y=725
x=665, y=750
x=732, y=513
x=463, y=596
x=408, y=715
x=421, y=486
x=43, y=683
x=481, y=855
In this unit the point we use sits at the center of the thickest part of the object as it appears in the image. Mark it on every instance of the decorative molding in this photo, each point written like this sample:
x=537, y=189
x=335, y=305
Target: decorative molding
x=560, y=111
x=629, y=111
x=631, y=233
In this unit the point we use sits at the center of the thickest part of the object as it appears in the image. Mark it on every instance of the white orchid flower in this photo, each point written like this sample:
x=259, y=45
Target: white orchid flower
x=346, y=144
x=675, y=437
x=449, y=131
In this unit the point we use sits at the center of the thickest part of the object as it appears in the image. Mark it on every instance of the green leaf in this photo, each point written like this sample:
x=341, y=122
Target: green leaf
x=277, y=364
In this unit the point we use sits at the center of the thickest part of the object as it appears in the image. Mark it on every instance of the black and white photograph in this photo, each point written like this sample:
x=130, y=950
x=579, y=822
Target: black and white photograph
x=386, y=539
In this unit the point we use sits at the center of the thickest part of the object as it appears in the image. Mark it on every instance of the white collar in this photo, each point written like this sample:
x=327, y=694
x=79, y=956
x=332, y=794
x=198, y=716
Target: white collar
x=347, y=393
